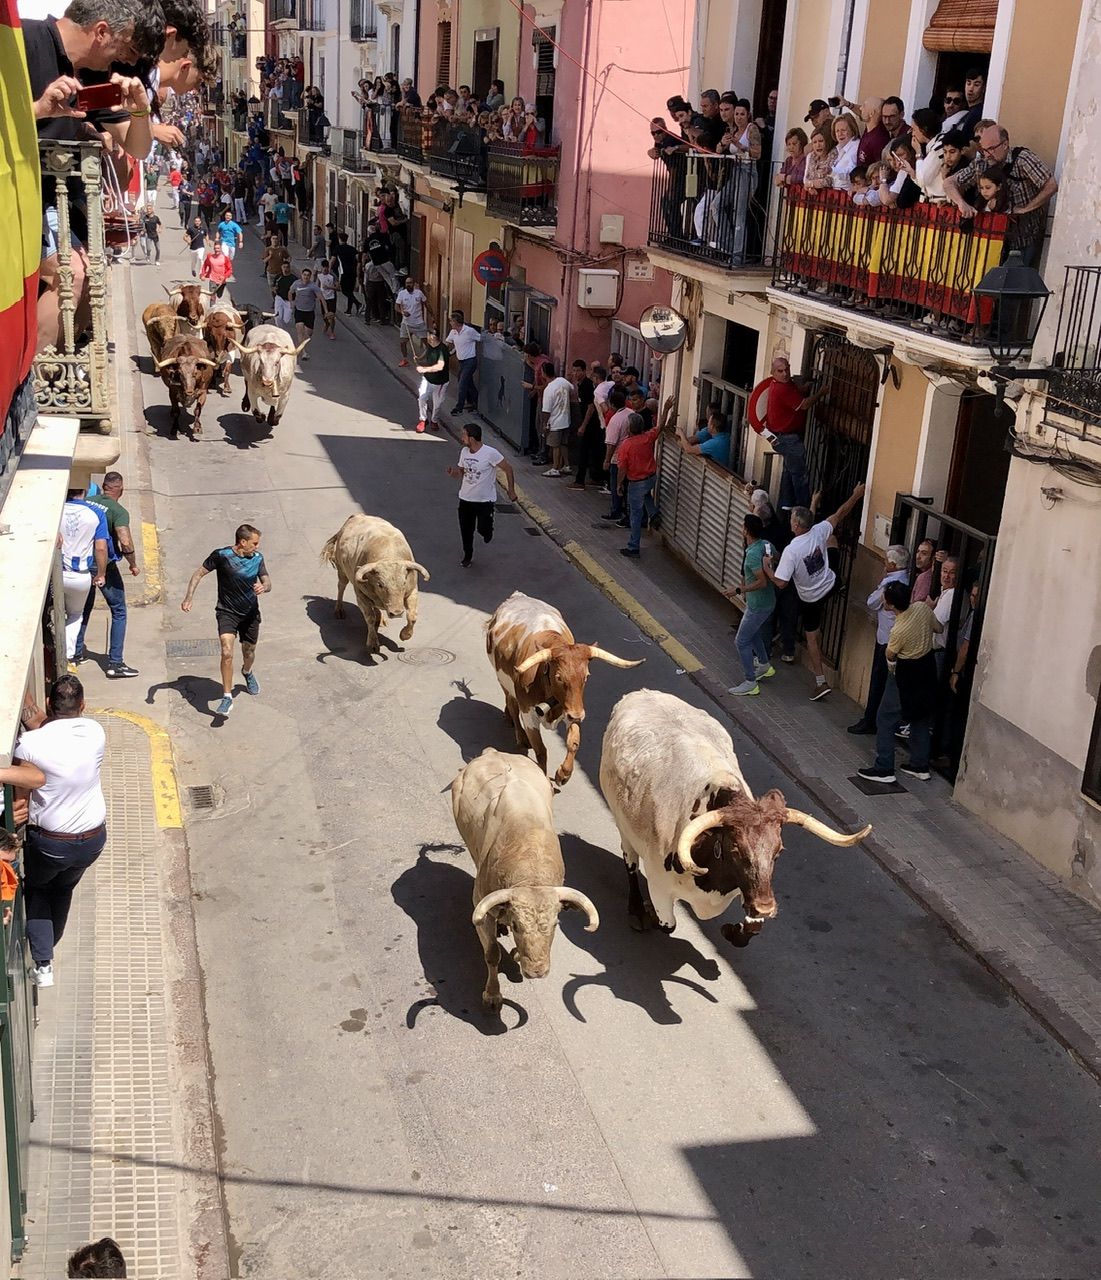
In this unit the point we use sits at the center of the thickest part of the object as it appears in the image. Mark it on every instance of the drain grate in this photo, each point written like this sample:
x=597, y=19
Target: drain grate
x=201, y=797
x=535, y=533
x=205, y=648
x=427, y=657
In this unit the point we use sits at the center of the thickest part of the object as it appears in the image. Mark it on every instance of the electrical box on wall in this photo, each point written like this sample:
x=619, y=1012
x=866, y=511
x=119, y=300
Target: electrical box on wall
x=611, y=228
x=598, y=288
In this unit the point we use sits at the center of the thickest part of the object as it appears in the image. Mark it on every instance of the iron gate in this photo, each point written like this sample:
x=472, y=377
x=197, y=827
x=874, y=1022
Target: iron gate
x=839, y=441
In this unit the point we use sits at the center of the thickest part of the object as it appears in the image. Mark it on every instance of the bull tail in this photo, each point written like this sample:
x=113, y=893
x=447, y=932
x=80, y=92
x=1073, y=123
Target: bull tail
x=328, y=551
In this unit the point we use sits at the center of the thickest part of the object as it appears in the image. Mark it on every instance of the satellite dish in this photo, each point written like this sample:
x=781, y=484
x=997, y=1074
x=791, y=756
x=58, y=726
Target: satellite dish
x=663, y=329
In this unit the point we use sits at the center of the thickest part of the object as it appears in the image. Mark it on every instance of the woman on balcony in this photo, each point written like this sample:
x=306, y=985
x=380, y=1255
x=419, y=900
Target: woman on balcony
x=737, y=179
x=794, y=166
x=816, y=171
x=925, y=130
x=842, y=158
x=898, y=187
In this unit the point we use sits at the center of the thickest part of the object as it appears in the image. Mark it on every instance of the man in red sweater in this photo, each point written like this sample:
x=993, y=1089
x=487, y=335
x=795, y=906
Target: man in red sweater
x=783, y=425
x=217, y=268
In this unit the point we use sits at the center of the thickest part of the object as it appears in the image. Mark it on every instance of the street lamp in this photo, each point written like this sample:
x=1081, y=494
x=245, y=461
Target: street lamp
x=1010, y=291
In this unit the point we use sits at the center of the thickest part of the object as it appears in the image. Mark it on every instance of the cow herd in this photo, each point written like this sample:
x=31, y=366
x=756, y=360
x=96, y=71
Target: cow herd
x=668, y=773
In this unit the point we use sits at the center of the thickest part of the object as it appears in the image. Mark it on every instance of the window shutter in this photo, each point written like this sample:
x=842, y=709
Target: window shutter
x=544, y=64
x=962, y=26
x=443, y=47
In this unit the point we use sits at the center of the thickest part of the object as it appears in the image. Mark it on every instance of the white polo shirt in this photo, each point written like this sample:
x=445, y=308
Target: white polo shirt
x=69, y=752
x=464, y=341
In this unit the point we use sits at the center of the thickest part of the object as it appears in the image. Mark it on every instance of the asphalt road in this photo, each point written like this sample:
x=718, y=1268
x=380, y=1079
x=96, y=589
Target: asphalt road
x=850, y=1096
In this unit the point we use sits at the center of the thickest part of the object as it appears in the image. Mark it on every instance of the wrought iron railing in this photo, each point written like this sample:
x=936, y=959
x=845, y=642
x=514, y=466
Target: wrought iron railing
x=522, y=184
x=280, y=10
x=71, y=376
x=713, y=208
x=311, y=15
x=238, y=44
x=414, y=135
x=275, y=116
x=379, y=124
x=364, y=20
x=456, y=151
x=1074, y=384
x=345, y=148
x=916, y=266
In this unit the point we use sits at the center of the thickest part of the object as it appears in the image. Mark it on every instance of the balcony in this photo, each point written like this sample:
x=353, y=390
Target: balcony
x=414, y=136
x=311, y=15
x=238, y=45
x=456, y=151
x=364, y=20
x=344, y=145
x=281, y=10
x=1074, y=383
x=915, y=268
x=713, y=209
x=522, y=186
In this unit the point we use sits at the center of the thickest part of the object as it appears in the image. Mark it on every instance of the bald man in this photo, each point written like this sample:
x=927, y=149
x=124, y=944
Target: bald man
x=875, y=136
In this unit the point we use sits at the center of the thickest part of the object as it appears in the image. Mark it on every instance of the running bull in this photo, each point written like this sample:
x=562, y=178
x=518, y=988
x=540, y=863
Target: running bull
x=268, y=362
x=186, y=369
x=671, y=778
x=542, y=671
x=502, y=808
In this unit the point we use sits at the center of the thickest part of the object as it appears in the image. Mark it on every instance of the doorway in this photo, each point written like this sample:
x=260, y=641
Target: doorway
x=980, y=463
x=544, y=79
x=485, y=62
x=770, y=50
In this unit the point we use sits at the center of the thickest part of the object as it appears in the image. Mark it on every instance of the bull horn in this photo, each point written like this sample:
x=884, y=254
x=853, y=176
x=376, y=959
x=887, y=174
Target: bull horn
x=595, y=651
x=301, y=347
x=163, y=364
x=417, y=568
x=689, y=836
x=819, y=829
x=245, y=351
x=167, y=290
x=498, y=898
x=540, y=655
x=575, y=898
x=213, y=364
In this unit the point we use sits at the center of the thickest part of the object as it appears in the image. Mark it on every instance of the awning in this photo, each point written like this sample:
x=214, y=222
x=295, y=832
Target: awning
x=962, y=26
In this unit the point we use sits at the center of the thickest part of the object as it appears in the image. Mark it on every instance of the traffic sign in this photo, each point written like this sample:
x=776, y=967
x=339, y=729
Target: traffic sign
x=491, y=267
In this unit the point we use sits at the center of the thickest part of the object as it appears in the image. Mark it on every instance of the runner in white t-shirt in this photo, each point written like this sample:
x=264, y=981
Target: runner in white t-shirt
x=806, y=562
x=326, y=282
x=412, y=304
x=478, y=464
x=557, y=396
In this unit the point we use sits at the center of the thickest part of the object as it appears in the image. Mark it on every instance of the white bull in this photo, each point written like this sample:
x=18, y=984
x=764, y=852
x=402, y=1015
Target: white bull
x=685, y=812
x=268, y=361
x=376, y=559
x=503, y=809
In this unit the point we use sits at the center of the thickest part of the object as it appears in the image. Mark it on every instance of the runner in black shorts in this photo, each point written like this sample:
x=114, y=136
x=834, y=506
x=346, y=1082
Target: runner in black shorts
x=242, y=580
x=305, y=295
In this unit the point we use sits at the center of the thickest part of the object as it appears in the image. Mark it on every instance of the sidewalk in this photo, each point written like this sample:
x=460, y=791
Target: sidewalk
x=1019, y=920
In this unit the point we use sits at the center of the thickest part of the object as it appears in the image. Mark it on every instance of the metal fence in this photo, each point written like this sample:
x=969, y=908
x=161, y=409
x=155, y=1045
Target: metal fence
x=72, y=378
x=711, y=207
x=379, y=124
x=414, y=136
x=456, y=151
x=522, y=184
x=1074, y=383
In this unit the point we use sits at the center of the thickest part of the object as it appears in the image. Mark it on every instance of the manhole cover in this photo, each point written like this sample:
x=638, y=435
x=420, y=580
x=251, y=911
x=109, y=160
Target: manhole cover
x=206, y=648
x=427, y=657
x=201, y=797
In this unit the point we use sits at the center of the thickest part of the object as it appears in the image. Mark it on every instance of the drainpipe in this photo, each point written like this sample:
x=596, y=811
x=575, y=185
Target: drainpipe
x=416, y=47
x=846, y=42
x=569, y=272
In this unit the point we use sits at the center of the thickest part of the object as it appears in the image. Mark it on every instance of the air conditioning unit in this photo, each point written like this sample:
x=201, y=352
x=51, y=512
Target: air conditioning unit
x=598, y=289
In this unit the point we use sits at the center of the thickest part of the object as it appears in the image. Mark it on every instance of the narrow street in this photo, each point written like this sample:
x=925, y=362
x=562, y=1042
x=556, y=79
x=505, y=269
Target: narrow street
x=852, y=1095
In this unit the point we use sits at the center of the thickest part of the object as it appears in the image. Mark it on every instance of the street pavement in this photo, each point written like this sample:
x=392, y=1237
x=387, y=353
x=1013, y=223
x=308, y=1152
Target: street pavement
x=852, y=1095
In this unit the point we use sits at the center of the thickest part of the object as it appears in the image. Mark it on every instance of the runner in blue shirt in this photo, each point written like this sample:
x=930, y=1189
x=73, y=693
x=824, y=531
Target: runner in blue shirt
x=230, y=234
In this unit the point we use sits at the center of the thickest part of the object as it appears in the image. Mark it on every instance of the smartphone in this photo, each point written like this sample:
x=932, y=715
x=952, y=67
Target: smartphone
x=97, y=97
x=834, y=102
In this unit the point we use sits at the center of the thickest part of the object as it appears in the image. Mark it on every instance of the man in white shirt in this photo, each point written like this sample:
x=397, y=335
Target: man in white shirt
x=68, y=815
x=463, y=339
x=478, y=465
x=413, y=305
x=615, y=431
x=83, y=542
x=806, y=562
x=558, y=394
x=895, y=569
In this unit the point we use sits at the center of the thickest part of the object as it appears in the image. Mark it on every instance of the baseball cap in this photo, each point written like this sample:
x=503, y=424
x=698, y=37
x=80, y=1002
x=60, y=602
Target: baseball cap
x=817, y=105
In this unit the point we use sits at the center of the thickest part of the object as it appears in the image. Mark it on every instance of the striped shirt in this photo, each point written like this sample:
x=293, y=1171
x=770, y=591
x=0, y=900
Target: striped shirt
x=81, y=527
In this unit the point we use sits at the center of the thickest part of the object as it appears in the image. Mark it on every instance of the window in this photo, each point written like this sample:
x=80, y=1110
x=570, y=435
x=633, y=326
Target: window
x=485, y=61
x=544, y=77
x=1091, y=779
x=395, y=48
x=443, y=53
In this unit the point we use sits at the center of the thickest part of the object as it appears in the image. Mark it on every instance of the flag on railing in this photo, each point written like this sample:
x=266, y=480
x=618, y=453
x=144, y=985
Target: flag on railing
x=20, y=211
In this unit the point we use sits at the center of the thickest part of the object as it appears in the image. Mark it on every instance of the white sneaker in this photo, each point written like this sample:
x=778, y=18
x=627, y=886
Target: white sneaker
x=553, y=472
x=747, y=689
x=42, y=975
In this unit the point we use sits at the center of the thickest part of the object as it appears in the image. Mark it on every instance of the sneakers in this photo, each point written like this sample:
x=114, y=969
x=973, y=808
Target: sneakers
x=465, y=561
x=608, y=516
x=789, y=658
x=860, y=728
x=252, y=685
x=120, y=671
x=433, y=426
x=420, y=426
x=820, y=691
x=225, y=706
x=923, y=775
x=763, y=671
x=628, y=551
x=623, y=522
x=747, y=689
x=42, y=975
x=874, y=774
x=554, y=472
x=605, y=492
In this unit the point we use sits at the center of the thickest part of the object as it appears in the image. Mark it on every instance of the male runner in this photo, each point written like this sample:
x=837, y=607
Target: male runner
x=242, y=580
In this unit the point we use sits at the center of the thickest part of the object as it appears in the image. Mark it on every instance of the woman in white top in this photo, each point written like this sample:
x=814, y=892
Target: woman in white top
x=843, y=156
x=326, y=282
x=925, y=130
x=738, y=176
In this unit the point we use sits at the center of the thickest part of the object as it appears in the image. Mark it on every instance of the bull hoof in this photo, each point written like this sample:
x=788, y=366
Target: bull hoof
x=338, y=612
x=492, y=1004
x=640, y=924
x=736, y=934
x=406, y=633
x=562, y=777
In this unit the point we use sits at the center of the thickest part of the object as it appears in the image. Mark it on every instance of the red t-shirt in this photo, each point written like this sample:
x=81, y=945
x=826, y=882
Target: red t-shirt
x=635, y=458
x=175, y=178
x=216, y=269
x=783, y=415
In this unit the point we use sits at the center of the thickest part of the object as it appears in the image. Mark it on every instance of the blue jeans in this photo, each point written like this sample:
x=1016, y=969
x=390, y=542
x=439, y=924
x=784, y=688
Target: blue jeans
x=752, y=639
x=640, y=497
x=794, y=482
x=886, y=726
x=51, y=871
x=467, y=392
x=617, y=497
x=115, y=594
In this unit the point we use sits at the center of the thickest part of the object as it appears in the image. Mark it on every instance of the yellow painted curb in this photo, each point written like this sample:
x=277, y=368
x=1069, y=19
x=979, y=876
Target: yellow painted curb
x=166, y=793
x=151, y=562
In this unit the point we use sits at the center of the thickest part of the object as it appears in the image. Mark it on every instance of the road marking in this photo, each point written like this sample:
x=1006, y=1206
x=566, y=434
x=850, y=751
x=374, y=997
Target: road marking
x=166, y=791
x=151, y=562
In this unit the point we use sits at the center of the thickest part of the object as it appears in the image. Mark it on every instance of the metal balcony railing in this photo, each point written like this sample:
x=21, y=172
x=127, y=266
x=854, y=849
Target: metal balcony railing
x=379, y=125
x=414, y=136
x=456, y=151
x=1074, y=384
x=364, y=20
x=275, y=116
x=713, y=208
x=71, y=378
x=522, y=185
x=916, y=267
x=345, y=147
x=311, y=15
x=281, y=10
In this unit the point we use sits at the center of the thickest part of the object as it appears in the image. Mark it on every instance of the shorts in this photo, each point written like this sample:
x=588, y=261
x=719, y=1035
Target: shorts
x=811, y=611
x=328, y=305
x=408, y=330
x=557, y=439
x=304, y=317
x=246, y=628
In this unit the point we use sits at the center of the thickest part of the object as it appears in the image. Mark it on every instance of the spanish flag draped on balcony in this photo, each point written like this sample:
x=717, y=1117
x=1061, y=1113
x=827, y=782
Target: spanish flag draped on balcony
x=20, y=214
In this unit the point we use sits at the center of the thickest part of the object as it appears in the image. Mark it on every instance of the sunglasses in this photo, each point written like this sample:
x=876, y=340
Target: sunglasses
x=953, y=101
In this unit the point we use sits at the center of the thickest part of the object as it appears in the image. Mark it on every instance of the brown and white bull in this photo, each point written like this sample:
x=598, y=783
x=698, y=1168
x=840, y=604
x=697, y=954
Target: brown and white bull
x=672, y=780
x=186, y=369
x=502, y=807
x=543, y=672
x=223, y=323
x=268, y=361
x=376, y=559
x=189, y=301
x=159, y=320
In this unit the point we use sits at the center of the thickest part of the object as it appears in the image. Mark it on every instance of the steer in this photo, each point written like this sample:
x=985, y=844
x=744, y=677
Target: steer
x=222, y=324
x=676, y=791
x=159, y=320
x=186, y=369
x=268, y=360
x=543, y=672
x=189, y=304
x=375, y=558
x=502, y=807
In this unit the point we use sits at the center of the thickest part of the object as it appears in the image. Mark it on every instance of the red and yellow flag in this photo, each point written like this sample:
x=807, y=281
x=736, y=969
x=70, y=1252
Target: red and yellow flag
x=20, y=211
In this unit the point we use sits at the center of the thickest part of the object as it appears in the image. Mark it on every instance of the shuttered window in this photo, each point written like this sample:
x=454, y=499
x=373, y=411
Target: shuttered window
x=962, y=26
x=443, y=53
x=544, y=66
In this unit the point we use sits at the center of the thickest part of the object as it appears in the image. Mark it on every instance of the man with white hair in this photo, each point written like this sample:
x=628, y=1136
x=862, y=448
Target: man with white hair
x=894, y=570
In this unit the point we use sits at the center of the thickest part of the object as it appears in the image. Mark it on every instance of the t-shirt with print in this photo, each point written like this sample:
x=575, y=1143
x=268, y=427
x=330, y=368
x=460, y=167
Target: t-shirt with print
x=764, y=597
x=282, y=212
x=804, y=563
x=81, y=528
x=116, y=516
x=411, y=304
x=304, y=297
x=479, y=474
x=237, y=578
x=556, y=403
